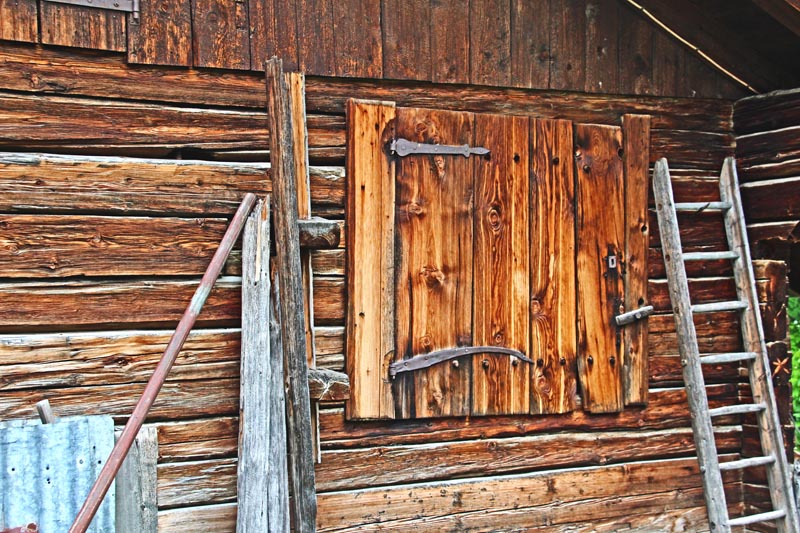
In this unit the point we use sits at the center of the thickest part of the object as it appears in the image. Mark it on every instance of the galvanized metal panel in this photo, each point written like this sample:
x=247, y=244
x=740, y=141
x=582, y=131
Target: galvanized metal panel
x=46, y=471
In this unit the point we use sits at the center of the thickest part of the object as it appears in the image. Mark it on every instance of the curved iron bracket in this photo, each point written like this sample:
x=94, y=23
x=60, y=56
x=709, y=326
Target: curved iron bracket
x=439, y=356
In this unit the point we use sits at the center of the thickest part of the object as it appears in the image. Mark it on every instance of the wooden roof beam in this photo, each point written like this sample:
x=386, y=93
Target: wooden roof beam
x=786, y=12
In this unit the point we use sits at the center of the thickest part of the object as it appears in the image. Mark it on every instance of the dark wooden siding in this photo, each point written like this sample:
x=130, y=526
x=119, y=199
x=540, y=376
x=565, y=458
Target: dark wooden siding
x=599, y=46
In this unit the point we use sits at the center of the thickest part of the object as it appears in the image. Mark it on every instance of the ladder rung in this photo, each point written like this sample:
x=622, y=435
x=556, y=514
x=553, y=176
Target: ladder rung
x=746, y=463
x=737, y=409
x=719, y=306
x=753, y=518
x=699, y=207
x=715, y=358
x=709, y=256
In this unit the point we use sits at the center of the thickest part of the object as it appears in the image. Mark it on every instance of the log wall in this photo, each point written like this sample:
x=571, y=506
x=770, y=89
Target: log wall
x=96, y=266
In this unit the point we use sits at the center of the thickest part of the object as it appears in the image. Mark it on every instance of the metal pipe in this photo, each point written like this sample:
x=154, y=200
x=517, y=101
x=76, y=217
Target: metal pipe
x=123, y=445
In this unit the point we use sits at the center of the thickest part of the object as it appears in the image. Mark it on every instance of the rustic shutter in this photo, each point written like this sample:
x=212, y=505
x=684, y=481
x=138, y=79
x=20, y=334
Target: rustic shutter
x=446, y=252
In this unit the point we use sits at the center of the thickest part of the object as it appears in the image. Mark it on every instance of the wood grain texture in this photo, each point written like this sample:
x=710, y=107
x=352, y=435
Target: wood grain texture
x=636, y=53
x=567, y=44
x=370, y=260
x=19, y=20
x=603, y=25
x=601, y=235
x=406, y=31
x=552, y=267
x=162, y=36
x=357, y=34
x=450, y=41
x=315, y=37
x=136, y=504
x=433, y=296
x=530, y=43
x=501, y=265
x=490, y=42
x=220, y=34
x=636, y=167
x=82, y=27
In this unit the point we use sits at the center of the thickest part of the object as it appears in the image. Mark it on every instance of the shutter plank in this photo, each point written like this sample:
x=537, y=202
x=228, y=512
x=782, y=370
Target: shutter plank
x=163, y=34
x=552, y=244
x=19, y=20
x=83, y=27
x=221, y=34
x=370, y=238
x=636, y=157
x=601, y=233
x=434, y=276
x=501, y=273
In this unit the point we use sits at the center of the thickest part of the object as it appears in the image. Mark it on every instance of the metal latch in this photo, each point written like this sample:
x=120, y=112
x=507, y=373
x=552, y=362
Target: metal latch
x=632, y=316
x=129, y=6
x=440, y=356
x=404, y=147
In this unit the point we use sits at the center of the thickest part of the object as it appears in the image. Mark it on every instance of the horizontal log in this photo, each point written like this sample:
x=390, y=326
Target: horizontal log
x=786, y=231
x=769, y=169
x=769, y=148
x=319, y=233
x=218, y=517
x=196, y=483
x=69, y=72
x=703, y=229
x=667, y=370
x=205, y=438
x=694, y=269
x=690, y=188
x=371, y=467
x=328, y=385
x=765, y=112
x=680, y=148
x=666, y=409
x=771, y=200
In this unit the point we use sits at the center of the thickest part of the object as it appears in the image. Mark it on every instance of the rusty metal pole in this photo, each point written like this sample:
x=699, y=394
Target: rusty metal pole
x=123, y=445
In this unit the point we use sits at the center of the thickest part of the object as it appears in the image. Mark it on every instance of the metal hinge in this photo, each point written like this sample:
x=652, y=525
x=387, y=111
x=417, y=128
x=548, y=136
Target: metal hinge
x=432, y=358
x=128, y=6
x=404, y=147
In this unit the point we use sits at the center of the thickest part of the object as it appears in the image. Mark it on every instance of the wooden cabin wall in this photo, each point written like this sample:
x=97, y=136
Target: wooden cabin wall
x=598, y=46
x=93, y=277
x=767, y=139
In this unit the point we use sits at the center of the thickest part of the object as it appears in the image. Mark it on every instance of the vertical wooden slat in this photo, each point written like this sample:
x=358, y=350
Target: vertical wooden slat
x=501, y=287
x=530, y=43
x=602, y=37
x=162, y=36
x=301, y=450
x=406, y=39
x=136, y=502
x=83, y=27
x=282, y=16
x=552, y=245
x=601, y=235
x=19, y=20
x=370, y=259
x=434, y=262
x=315, y=37
x=221, y=34
x=636, y=160
x=357, y=34
x=635, y=53
x=450, y=41
x=490, y=42
x=567, y=44
x=668, y=60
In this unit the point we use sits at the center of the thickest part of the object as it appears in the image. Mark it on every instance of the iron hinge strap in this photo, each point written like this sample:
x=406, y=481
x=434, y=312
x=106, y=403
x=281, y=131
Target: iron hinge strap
x=429, y=359
x=404, y=147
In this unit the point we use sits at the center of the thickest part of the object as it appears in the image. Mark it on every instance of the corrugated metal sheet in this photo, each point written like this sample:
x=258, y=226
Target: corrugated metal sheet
x=46, y=471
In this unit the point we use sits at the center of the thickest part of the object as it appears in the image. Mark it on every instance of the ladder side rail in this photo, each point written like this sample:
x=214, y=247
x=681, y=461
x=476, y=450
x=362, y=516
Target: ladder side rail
x=688, y=349
x=778, y=475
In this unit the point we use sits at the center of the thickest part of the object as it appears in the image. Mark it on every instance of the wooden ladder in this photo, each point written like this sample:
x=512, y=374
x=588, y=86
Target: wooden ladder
x=784, y=513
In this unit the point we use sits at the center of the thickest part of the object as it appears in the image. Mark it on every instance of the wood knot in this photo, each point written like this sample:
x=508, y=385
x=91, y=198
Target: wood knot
x=495, y=219
x=536, y=307
x=413, y=208
x=425, y=343
x=432, y=276
x=499, y=338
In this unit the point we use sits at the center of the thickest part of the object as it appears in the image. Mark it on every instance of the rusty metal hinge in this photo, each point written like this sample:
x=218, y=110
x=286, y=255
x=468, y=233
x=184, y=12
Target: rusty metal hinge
x=129, y=6
x=429, y=359
x=404, y=147
x=632, y=316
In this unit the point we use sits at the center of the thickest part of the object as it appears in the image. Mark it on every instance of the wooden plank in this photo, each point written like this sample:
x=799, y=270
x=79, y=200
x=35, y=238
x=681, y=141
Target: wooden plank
x=263, y=31
x=370, y=259
x=767, y=112
x=162, y=36
x=602, y=46
x=204, y=438
x=601, y=235
x=449, y=47
x=771, y=200
x=552, y=257
x=315, y=36
x=328, y=385
x=530, y=44
x=433, y=296
x=568, y=45
x=635, y=53
x=136, y=503
x=82, y=27
x=636, y=167
x=288, y=274
x=191, y=483
x=359, y=51
x=220, y=34
x=501, y=266
x=19, y=20
x=490, y=42
x=218, y=517
x=406, y=35
x=669, y=58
